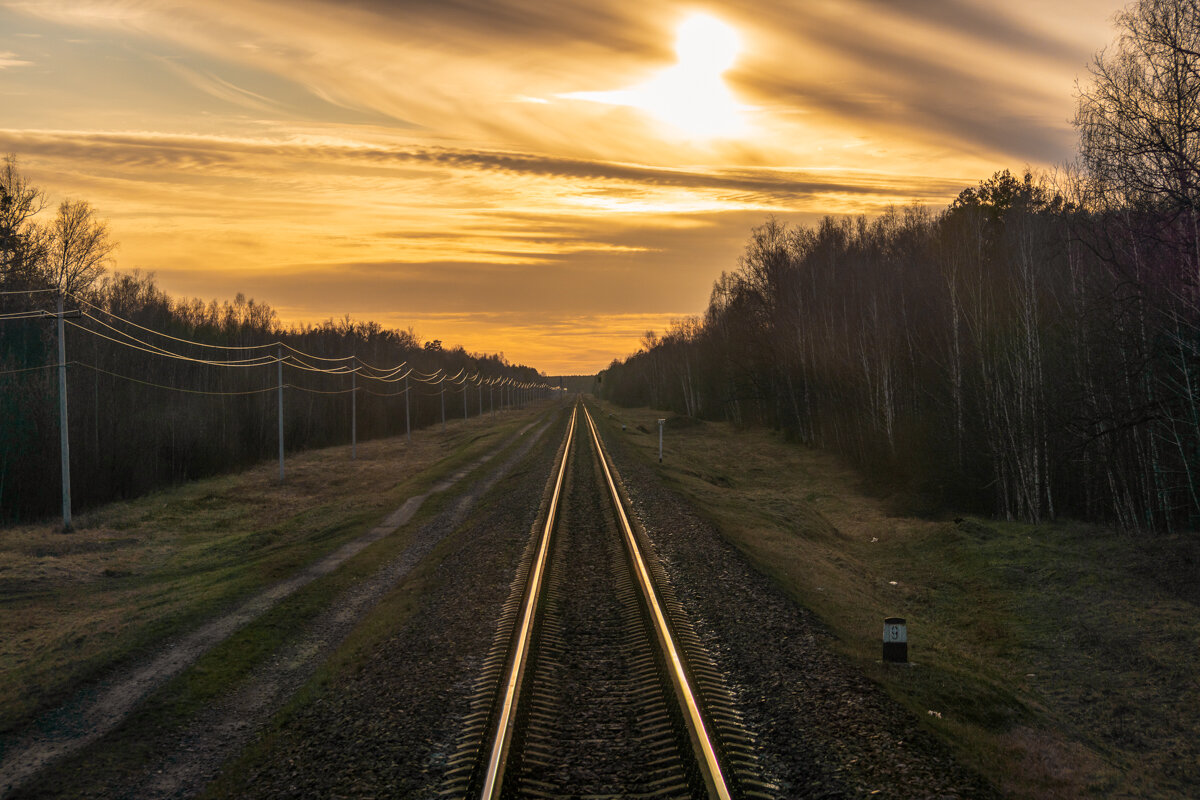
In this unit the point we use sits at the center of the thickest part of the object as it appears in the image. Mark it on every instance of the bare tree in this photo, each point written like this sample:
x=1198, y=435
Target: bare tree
x=1139, y=118
x=79, y=247
x=20, y=244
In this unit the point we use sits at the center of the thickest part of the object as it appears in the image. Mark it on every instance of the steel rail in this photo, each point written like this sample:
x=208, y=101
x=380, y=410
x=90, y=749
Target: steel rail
x=706, y=755
x=494, y=776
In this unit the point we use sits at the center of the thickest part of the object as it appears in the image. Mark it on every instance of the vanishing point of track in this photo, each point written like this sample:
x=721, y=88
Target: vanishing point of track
x=597, y=686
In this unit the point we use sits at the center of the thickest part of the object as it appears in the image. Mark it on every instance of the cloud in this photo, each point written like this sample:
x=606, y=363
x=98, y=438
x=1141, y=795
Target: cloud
x=221, y=89
x=955, y=78
x=9, y=60
x=986, y=22
x=180, y=153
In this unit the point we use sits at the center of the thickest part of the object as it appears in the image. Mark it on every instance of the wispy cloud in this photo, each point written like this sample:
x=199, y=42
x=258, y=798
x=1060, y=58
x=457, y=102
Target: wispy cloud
x=9, y=60
x=189, y=152
x=911, y=77
x=221, y=89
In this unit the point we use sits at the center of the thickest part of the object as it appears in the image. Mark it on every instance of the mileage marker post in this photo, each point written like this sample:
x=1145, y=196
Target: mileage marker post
x=895, y=640
x=661, y=422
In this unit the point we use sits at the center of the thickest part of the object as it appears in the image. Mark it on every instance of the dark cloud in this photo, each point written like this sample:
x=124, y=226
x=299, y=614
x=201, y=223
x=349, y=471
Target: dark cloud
x=617, y=26
x=256, y=157
x=951, y=110
x=984, y=22
x=967, y=104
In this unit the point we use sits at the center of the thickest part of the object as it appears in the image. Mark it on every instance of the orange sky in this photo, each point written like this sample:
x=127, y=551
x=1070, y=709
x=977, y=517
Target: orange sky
x=546, y=180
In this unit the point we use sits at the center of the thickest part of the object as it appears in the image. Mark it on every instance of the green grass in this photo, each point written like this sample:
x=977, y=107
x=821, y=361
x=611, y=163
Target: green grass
x=1056, y=659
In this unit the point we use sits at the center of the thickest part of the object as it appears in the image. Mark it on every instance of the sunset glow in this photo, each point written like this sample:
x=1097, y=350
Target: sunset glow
x=544, y=180
x=690, y=97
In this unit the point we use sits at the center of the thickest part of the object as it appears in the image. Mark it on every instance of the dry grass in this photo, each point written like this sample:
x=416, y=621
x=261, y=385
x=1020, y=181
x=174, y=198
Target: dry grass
x=134, y=573
x=1059, y=657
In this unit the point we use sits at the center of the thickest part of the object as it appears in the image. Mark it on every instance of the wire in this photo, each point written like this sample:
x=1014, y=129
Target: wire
x=275, y=344
x=385, y=394
x=393, y=379
x=253, y=361
x=296, y=359
x=317, y=391
x=291, y=361
x=169, y=336
x=167, y=354
x=27, y=291
x=173, y=388
x=318, y=358
x=423, y=380
x=30, y=369
x=381, y=369
x=15, y=315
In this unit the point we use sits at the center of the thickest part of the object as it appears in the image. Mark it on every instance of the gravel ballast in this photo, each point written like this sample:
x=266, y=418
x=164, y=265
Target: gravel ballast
x=824, y=730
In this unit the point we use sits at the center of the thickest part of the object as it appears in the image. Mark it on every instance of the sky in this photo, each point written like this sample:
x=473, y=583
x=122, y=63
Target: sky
x=548, y=180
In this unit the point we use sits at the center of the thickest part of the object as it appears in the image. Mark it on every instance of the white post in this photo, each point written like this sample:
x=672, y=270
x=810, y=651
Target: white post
x=407, y=422
x=895, y=640
x=354, y=408
x=279, y=365
x=64, y=442
x=661, y=422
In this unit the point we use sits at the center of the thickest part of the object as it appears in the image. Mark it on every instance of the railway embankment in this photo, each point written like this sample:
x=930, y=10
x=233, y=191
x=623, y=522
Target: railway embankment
x=1058, y=659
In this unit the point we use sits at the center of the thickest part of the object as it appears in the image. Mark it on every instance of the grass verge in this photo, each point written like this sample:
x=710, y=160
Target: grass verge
x=73, y=606
x=1056, y=659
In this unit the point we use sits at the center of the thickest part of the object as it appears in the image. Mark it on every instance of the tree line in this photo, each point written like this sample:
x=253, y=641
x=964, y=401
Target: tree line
x=1032, y=351
x=141, y=419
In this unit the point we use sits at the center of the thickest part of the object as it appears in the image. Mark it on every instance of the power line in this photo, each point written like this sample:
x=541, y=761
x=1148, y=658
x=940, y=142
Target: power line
x=170, y=388
x=16, y=315
x=158, y=351
x=27, y=291
x=29, y=369
x=167, y=335
x=385, y=394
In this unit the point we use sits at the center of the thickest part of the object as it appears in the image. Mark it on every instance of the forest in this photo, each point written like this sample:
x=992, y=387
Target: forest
x=162, y=390
x=1031, y=351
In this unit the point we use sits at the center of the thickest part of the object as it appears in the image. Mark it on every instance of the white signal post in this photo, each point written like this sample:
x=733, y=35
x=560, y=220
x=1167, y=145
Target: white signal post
x=661, y=423
x=895, y=640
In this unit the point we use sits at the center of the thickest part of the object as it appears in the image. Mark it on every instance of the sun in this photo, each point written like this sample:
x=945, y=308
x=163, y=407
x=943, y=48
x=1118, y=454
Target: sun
x=691, y=97
x=706, y=46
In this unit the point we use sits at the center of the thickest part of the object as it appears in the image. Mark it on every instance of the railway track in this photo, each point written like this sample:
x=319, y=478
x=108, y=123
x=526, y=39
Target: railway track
x=596, y=685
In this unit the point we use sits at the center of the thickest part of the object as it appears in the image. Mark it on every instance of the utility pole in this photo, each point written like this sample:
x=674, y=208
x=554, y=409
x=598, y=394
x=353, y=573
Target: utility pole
x=279, y=366
x=407, y=422
x=464, y=399
x=443, y=402
x=354, y=408
x=64, y=440
x=63, y=428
